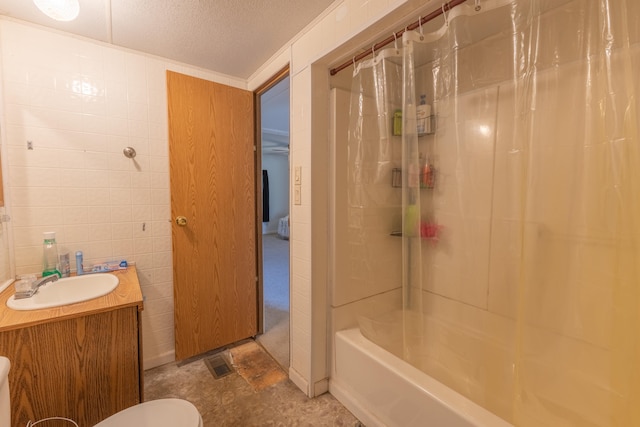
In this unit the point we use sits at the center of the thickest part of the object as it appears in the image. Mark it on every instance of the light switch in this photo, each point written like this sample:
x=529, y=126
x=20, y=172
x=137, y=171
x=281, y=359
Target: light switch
x=298, y=175
x=296, y=195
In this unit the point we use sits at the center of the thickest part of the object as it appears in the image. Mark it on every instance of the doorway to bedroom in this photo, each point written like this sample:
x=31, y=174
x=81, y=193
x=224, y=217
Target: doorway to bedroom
x=273, y=106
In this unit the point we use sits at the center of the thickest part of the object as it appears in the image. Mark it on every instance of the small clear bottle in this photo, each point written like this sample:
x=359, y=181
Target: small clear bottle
x=50, y=258
x=65, y=264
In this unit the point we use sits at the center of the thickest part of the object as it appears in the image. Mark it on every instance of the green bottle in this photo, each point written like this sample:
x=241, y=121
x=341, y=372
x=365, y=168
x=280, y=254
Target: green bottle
x=411, y=218
x=50, y=255
x=397, y=123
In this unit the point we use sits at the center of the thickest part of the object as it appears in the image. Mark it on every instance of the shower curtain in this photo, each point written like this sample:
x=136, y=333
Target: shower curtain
x=520, y=200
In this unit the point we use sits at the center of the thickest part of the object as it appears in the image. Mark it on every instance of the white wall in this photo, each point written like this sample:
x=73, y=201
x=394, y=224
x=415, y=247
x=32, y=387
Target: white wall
x=277, y=167
x=81, y=102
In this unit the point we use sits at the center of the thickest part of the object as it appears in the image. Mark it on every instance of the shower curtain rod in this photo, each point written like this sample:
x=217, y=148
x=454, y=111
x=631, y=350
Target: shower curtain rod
x=445, y=7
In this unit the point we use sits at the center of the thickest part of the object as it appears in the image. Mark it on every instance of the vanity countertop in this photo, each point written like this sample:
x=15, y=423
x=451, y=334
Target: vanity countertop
x=126, y=294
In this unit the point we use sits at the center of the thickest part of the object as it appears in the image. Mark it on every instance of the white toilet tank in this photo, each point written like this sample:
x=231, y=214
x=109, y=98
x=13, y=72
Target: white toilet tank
x=5, y=408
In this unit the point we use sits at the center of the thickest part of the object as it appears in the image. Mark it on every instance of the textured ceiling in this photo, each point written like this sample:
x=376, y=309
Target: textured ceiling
x=233, y=37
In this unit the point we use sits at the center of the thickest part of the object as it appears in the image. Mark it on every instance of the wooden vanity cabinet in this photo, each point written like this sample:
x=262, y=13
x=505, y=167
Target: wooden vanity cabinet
x=85, y=366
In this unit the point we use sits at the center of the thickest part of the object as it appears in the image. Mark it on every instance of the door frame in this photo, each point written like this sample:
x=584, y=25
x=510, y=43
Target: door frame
x=257, y=94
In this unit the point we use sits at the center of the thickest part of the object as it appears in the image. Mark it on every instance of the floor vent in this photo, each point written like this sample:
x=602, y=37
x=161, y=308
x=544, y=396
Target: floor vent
x=218, y=366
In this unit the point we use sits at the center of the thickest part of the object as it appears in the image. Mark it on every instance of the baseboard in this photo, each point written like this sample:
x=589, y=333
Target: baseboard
x=299, y=381
x=321, y=387
x=161, y=359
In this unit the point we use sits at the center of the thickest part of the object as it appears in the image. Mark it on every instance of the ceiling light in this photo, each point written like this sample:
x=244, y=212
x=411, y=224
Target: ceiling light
x=60, y=10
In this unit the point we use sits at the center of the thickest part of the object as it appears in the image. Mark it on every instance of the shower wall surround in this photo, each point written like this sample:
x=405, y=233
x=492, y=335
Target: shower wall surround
x=80, y=103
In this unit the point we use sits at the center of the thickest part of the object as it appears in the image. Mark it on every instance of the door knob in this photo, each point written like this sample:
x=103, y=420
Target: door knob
x=181, y=221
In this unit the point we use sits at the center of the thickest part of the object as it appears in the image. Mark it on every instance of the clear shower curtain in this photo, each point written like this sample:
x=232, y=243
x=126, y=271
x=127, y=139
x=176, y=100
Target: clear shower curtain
x=521, y=203
x=382, y=195
x=537, y=156
x=576, y=111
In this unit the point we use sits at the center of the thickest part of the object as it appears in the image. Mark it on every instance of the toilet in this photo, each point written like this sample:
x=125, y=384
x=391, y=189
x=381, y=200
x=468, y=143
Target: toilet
x=155, y=413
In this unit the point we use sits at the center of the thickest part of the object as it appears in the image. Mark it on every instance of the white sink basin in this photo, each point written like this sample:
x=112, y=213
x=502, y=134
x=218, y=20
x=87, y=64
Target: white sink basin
x=67, y=291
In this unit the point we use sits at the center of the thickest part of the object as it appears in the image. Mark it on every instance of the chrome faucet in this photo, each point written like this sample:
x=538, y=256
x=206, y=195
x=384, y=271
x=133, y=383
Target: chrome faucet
x=35, y=286
x=44, y=280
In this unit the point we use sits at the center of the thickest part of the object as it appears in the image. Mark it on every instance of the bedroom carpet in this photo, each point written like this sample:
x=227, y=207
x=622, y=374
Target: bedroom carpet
x=275, y=260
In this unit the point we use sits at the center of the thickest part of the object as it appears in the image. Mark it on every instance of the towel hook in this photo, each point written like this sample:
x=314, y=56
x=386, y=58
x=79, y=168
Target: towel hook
x=129, y=152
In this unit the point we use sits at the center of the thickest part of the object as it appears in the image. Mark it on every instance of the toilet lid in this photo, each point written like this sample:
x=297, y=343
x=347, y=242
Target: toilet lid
x=156, y=413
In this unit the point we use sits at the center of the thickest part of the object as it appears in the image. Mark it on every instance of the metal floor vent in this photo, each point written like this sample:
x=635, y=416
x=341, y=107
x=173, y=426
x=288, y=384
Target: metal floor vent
x=218, y=366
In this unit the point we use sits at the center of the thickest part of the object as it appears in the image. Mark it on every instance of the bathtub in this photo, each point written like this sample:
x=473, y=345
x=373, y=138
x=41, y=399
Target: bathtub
x=383, y=390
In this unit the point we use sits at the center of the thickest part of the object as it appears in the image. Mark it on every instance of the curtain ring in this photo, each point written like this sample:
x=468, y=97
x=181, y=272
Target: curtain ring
x=373, y=50
x=420, y=24
x=478, y=7
x=354, y=62
x=444, y=14
x=395, y=40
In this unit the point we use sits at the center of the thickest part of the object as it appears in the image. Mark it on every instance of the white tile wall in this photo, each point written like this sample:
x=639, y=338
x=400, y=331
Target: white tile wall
x=80, y=103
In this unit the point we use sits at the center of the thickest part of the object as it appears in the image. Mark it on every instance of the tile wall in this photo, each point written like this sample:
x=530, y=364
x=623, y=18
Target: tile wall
x=79, y=103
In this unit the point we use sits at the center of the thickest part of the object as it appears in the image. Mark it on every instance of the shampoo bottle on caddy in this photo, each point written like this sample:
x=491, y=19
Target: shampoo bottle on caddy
x=423, y=116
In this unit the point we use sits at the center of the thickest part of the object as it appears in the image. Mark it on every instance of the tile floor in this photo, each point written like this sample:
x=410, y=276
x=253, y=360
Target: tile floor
x=235, y=400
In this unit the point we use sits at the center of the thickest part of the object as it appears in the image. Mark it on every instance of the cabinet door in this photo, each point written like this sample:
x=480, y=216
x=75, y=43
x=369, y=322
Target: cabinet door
x=85, y=369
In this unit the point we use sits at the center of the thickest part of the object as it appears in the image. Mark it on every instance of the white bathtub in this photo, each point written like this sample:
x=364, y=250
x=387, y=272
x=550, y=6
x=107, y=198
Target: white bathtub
x=383, y=390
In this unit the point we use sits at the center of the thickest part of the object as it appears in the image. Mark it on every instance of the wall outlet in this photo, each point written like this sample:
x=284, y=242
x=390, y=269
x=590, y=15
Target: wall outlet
x=296, y=195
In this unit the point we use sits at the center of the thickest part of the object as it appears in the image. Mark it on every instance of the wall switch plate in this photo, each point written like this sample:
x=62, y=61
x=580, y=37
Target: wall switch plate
x=297, y=175
x=296, y=195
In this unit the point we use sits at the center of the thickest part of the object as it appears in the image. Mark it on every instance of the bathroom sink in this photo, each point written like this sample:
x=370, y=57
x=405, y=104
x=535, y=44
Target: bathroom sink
x=67, y=291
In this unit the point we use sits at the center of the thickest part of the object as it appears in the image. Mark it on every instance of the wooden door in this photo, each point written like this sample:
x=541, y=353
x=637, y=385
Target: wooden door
x=212, y=172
